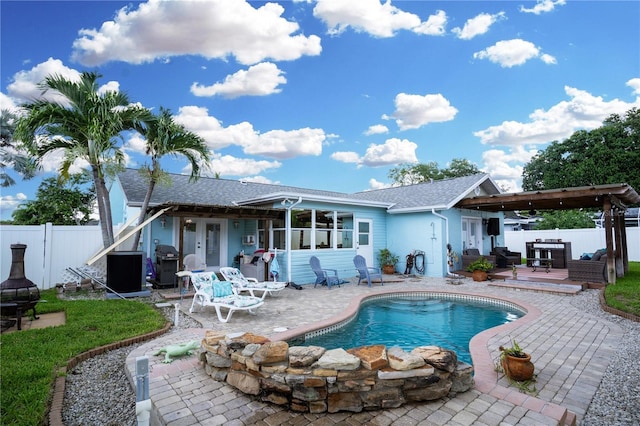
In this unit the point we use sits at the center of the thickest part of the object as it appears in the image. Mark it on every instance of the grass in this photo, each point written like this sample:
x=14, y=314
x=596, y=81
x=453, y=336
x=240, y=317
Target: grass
x=625, y=293
x=31, y=358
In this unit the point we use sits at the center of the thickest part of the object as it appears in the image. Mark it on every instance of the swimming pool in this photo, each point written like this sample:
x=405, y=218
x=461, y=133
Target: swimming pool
x=408, y=321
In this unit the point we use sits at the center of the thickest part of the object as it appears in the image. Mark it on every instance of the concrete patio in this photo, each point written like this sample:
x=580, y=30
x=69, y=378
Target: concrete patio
x=570, y=347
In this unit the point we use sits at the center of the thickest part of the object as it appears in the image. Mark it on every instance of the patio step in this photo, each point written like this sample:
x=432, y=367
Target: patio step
x=543, y=287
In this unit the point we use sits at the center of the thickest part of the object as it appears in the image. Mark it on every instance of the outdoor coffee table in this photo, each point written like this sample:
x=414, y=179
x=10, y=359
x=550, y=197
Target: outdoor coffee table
x=536, y=262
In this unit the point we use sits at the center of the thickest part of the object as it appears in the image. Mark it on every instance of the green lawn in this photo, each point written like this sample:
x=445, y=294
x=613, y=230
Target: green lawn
x=31, y=358
x=625, y=293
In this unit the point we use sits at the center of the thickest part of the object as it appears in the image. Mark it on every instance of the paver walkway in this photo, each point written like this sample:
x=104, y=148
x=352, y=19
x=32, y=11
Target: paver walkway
x=569, y=347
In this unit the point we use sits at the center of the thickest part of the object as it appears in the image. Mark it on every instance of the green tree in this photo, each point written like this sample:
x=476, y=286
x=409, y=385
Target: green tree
x=86, y=125
x=10, y=156
x=409, y=174
x=608, y=154
x=61, y=202
x=460, y=167
x=565, y=219
x=166, y=137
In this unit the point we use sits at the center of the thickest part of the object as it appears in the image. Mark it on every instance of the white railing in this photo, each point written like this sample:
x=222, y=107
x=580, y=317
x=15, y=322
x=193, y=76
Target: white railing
x=582, y=240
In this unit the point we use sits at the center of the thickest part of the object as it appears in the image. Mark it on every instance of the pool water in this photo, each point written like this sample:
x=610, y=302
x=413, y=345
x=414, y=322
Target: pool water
x=411, y=322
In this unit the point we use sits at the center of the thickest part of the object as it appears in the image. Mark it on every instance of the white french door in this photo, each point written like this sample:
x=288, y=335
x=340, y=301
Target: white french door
x=472, y=233
x=207, y=239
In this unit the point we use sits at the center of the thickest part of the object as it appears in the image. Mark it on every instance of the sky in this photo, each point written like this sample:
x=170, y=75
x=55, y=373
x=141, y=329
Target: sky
x=334, y=94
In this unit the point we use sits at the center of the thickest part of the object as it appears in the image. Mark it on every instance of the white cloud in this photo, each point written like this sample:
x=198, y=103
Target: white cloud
x=259, y=80
x=228, y=165
x=509, y=53
x=582, y=111
x=283, y=144
x=8, y=203
x=393, y=151
x=543, y=6
x=6, y=103
x=376, y=129
x=434, y=25
x=414, y=111
x=477, y=26
x=213, y=29
x=375, y=184
x=370, y=16
x=279, y=144
x=24, y=87
x=634, y=83
x=346, y=157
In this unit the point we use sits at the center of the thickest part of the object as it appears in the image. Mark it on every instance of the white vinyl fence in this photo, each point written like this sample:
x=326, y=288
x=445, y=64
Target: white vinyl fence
x=582, y=240
x=53, y=249
x=50, y=250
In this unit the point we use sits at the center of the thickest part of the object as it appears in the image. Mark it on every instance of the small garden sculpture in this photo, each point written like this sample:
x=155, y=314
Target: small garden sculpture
x=177, y=350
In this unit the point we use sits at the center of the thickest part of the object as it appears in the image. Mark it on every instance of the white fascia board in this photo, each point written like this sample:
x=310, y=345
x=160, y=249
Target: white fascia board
x=279, y=196
x=421, y=209
x=470, y=189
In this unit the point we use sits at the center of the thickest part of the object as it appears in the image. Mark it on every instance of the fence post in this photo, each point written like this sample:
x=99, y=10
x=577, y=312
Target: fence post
x=47, y=255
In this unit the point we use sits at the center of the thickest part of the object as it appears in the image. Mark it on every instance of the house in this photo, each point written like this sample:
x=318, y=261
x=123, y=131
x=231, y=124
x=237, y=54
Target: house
x=220, y=219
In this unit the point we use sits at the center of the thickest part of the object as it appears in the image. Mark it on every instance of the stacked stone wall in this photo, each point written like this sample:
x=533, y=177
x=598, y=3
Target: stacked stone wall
x=316, y=380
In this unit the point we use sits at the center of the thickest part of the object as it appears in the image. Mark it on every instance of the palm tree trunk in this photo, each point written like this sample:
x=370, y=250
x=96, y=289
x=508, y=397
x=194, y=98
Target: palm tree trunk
x=104, y=208
x=143, y=212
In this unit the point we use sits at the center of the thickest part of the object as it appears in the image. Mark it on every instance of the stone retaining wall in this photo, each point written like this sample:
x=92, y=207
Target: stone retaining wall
x=313, y=379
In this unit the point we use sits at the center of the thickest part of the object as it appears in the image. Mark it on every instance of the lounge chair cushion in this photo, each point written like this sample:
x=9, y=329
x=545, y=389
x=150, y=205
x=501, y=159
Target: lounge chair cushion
x=220, y=289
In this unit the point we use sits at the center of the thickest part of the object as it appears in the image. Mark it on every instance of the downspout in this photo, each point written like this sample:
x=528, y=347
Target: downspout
x=288, y=225
x=446, y=231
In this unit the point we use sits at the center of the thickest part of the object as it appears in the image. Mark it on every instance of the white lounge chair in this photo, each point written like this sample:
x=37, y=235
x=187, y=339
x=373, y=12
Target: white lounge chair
x=209, y=291
x=251, y=285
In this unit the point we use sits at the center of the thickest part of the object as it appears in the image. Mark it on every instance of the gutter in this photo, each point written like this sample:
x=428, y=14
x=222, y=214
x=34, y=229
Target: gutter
x=446, y=230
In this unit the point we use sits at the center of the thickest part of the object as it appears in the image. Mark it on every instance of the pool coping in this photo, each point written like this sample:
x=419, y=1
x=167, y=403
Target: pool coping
x=485, y=375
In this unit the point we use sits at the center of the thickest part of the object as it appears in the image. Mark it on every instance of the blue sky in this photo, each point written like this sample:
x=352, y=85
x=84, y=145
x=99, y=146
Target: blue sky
x=333, y=94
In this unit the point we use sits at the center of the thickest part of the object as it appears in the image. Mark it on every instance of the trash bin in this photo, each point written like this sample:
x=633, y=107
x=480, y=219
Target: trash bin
x=126, y=271
x=166, y=265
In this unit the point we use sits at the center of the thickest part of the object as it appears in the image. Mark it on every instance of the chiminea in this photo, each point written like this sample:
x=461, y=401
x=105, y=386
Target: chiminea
x=18, y=294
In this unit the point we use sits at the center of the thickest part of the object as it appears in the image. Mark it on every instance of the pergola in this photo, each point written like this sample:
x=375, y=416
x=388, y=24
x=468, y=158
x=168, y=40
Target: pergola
x=613, y=199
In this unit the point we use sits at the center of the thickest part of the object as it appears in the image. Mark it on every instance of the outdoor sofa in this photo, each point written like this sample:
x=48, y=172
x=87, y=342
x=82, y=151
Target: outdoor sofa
x=471, y=255
x=587, y=269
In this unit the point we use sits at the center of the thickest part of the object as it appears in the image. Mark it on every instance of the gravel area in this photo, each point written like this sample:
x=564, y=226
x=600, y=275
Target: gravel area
x=97, y=391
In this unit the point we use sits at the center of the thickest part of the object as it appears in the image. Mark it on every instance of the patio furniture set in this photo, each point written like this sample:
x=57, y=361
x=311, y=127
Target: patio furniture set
x=239, y=293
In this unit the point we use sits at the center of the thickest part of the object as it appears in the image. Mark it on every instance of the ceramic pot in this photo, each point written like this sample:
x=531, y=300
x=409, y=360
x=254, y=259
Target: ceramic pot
x=388, y=269
x=479, y=275
x=518, y=369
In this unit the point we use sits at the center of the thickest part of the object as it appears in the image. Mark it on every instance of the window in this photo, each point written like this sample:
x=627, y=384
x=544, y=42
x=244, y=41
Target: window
x=301, y=226
x=321, y=229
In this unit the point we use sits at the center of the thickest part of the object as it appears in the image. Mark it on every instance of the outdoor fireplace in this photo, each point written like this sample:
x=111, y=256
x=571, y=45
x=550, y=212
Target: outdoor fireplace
x=17, y=293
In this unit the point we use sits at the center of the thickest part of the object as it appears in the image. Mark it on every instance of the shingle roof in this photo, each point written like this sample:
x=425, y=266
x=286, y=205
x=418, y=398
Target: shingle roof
x=224, y=192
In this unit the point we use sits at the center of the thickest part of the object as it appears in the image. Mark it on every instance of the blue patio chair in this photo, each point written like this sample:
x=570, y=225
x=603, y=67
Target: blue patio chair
x=326, y=277
x=366, y=273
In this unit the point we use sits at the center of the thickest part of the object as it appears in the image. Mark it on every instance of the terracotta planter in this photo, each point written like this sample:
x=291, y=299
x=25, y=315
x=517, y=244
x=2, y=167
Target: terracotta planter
x=388, y=269
x=479, y=275
x=518, y=369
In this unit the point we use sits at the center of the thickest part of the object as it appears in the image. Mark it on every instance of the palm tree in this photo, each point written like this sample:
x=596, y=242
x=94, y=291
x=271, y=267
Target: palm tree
x=10, y=156
x=86, y=125
x=166, y=137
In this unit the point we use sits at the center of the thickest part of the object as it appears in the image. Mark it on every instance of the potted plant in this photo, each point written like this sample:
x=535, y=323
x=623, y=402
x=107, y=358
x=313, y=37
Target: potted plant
x=387, y=261
x=516, y=363
x=480, y=267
